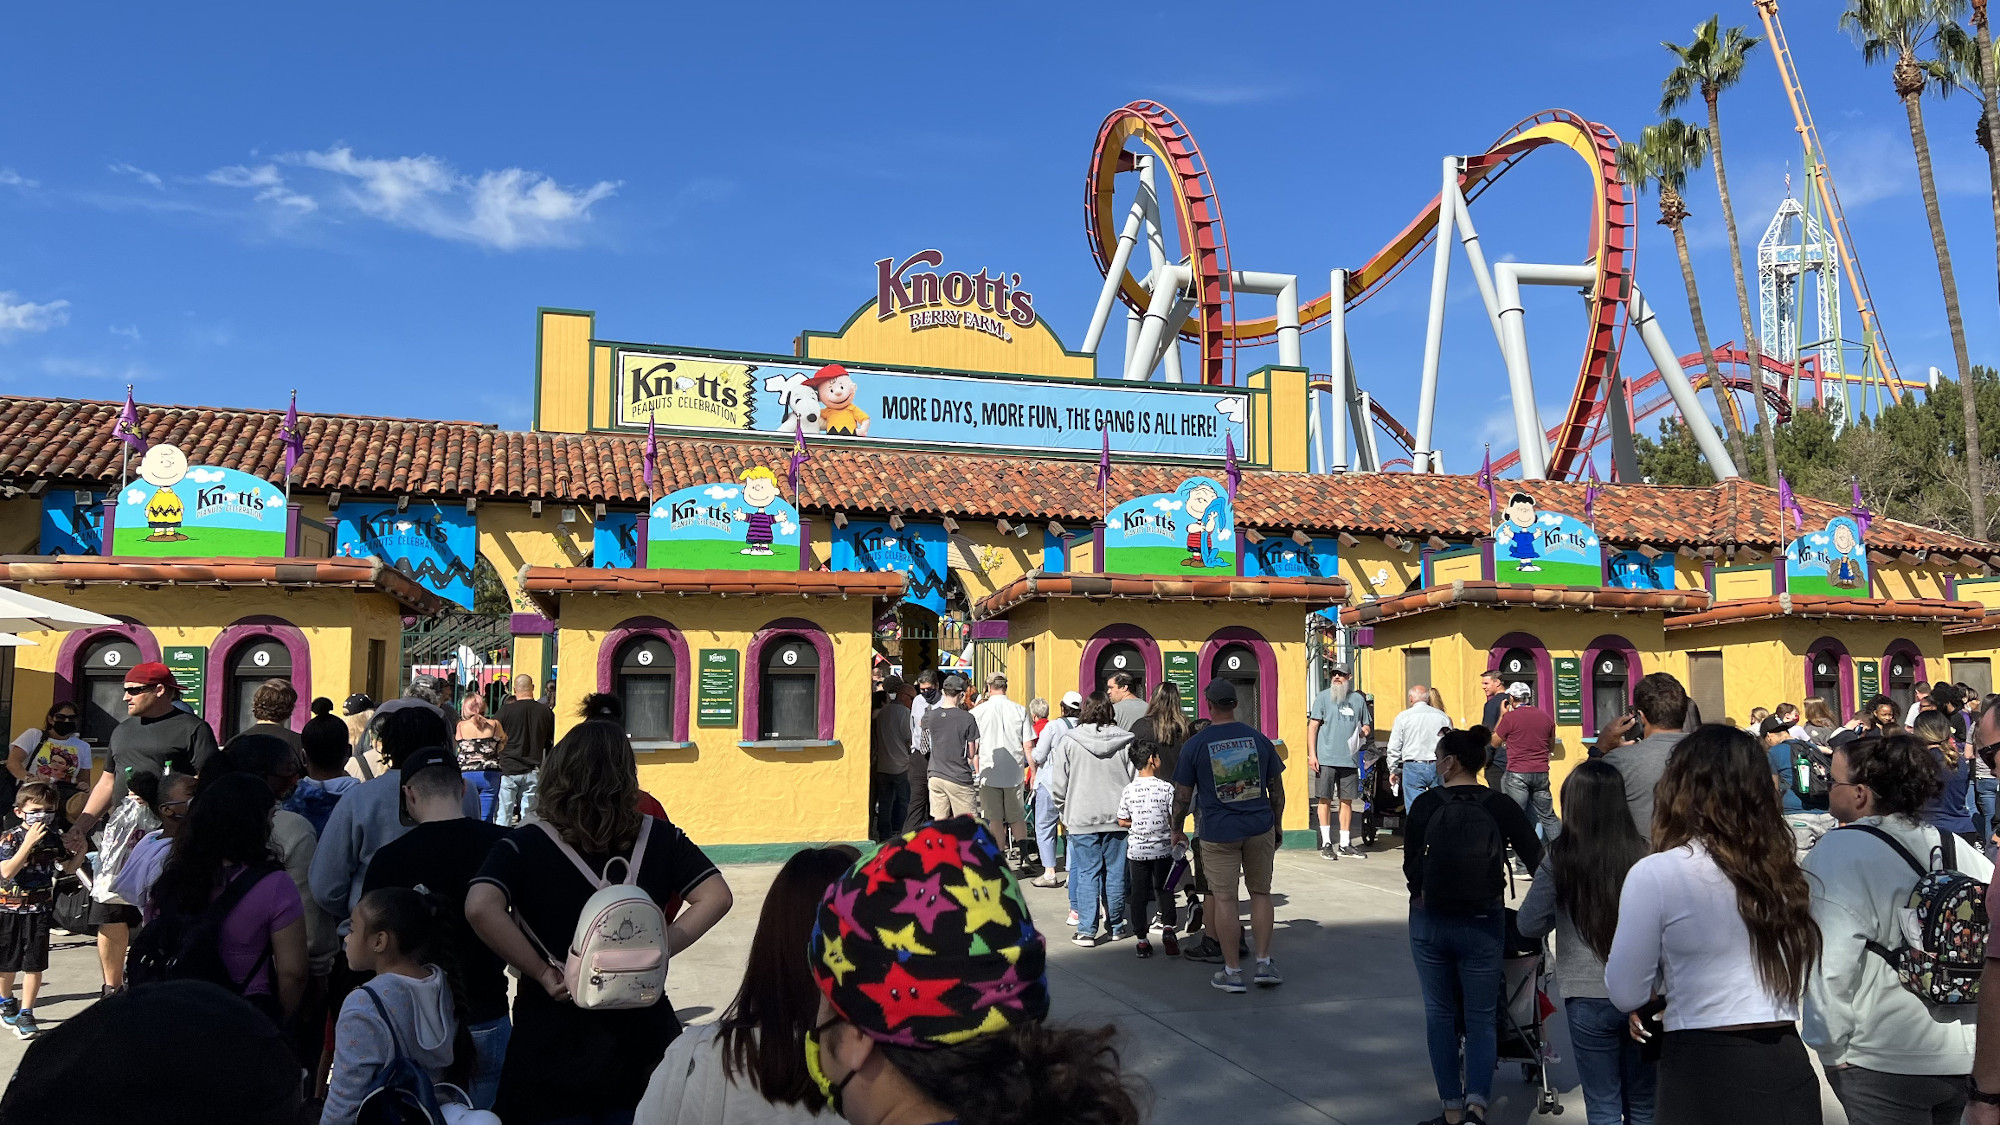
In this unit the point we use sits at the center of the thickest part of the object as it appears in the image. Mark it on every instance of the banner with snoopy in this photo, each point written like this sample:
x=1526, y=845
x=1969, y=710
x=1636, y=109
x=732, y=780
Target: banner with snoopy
x=1532, y=547
x=1829, y=560
x=435, y=543
x=174, y=509
x=742, y=524
x=1190, y=530
x=688, y=392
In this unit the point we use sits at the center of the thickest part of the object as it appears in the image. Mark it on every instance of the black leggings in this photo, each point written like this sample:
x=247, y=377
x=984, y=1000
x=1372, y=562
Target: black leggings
x=1760, y=1074
x=1145, y=881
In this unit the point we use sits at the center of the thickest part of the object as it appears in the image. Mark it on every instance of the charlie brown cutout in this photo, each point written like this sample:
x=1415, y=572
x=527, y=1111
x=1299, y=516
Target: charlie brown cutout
x=163, y=467
x=837, y=412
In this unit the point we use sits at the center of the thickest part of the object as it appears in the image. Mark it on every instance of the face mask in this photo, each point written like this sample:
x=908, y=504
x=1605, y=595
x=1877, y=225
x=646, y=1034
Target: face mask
x=37, y=817
x=828, y=1088
x=932, y=695
x=62, y=726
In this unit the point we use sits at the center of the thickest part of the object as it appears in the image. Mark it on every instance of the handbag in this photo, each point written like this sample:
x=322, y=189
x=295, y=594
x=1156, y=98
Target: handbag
x=128, y=824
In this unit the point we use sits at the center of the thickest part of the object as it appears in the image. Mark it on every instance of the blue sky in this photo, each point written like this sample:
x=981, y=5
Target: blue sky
x=219, y=203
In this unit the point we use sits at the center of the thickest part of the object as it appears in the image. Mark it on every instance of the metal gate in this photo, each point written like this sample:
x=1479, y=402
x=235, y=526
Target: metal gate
x=471, y=651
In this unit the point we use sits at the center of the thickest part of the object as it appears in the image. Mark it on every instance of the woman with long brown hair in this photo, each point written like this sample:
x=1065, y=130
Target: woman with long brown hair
x=565, y=1062
x=1951, y=810
x=1718, y=922
x=750, y=1066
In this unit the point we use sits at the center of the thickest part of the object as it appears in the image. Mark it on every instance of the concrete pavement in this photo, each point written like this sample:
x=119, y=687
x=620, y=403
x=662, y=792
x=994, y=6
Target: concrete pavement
x=1342, y=1041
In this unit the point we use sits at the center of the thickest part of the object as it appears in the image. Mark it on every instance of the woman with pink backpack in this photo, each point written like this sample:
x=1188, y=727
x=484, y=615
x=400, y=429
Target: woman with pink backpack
x=583, y=904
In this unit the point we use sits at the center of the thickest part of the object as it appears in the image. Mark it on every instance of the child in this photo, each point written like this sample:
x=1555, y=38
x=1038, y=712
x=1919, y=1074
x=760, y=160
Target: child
x=1146, y=809
x=29, y=854
x=396, y=934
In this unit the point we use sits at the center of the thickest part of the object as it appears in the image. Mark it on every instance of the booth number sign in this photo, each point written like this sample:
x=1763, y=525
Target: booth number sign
x=1181, y=674
x=715, y=687
x=189, y=664
x=1569, y=691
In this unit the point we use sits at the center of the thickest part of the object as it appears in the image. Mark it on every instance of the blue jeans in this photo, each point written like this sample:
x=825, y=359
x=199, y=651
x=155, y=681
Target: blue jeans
x=486, y=783
x=1045, y=827
x=1985, y=795
x=1097, y=865
x=1531, y=791
x=489, y=1040
x=892, y=804
x=1417, y=777
x=1458, y=968
x=1617, y=1085
x=517, y=797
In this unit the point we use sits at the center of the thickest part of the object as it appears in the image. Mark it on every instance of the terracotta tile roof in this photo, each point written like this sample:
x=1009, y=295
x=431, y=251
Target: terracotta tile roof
x=68, y=442
x=1986, y=622
x=354, y=574
x=1161, y=587
x=1829, y=606
x=544, y=583
x=1501, y=596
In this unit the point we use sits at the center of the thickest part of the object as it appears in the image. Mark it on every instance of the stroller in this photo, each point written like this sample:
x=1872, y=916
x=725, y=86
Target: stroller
x=1383, y=810
x=1524, y=1005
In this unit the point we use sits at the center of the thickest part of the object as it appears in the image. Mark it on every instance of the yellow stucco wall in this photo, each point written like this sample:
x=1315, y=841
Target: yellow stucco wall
x=722, y=793
x=1733, y=583
x=867, y=339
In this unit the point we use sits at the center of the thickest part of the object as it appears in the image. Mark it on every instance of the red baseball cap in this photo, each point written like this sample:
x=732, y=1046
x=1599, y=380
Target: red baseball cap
x=826, y=374
x=153, y=674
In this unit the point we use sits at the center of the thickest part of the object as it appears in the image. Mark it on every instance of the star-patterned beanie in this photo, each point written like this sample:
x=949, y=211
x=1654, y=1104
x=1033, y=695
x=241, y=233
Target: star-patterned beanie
x=928, y=942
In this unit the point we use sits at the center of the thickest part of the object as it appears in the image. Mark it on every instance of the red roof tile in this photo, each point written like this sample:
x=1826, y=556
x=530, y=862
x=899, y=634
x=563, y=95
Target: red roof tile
x=1830, y=606
x=1497, y=595
x=68, y=442
x=1162, y=587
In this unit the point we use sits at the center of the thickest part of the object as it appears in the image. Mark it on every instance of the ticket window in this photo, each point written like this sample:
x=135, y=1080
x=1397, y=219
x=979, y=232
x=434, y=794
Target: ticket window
x=252, y=665
x=1901, y=680
x=1121, y=657
x=1826, y=682
x=1238, y=665
x=1518, y=665
x=102, y=688
x=646, y=686
x=1610, y=686
x=789, y=703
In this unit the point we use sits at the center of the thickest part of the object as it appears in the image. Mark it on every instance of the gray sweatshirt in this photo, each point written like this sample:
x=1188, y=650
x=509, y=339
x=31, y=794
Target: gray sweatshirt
x=1088, y=771
x=1579, y=970
x=363, y=1044
x=367, y=817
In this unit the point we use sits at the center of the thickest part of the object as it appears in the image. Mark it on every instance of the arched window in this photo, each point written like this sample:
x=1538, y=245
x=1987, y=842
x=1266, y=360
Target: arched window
x=1517, y=665
x=1611, y=669
x=250, y=665
x=645, y=683
x=1237, y=664
x=1830, y=676
x=1521, y=658
x=1120, y=656
x=101, y=688
x=789, y=695
x=1902, y=667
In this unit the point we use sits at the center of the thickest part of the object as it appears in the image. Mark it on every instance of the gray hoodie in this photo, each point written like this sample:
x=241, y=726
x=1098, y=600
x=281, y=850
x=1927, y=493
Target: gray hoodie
x=1088, y=771
x=363, y=1045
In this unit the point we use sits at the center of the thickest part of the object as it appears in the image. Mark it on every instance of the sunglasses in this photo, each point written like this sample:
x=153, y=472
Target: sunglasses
x=139, y=689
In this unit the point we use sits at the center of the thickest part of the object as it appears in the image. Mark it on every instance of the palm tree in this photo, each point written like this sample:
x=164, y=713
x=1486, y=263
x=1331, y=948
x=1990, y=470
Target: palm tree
x=1989, y=119
x=1900, y=30
x=1712, y=63
x=1662, y=157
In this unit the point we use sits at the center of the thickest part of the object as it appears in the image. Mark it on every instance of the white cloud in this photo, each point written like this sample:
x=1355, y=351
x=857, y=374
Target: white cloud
x=140, y=174
x=720, y=491
x=205, y=476
x=1230, y=408
x=1551, y=519
x=28, y=316
x=70, y=367
x=11, y=178
x=662, y=512
x=1819, y=540
x=268, y=184
x=507, y=209
x=1166, y=505
x=135, y=496
x=129, y=331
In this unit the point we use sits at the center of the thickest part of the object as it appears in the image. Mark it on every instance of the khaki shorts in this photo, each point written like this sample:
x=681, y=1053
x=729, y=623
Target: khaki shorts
x=952, y=798
x=1002, y=803
x=1224, y=860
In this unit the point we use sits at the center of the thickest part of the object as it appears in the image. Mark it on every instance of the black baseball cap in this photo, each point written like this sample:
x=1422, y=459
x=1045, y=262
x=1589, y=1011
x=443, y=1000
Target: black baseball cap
x=1220, y=691
x=429, y=758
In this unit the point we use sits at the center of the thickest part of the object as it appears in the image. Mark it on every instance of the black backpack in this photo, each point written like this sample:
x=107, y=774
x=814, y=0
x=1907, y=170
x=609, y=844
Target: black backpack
x=1812, y=773
x=188, y=946
x=1465, y=854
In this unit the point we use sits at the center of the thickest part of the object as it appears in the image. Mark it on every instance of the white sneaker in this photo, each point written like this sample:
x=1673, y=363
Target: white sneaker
x=1072, y=918
x=1046, y=879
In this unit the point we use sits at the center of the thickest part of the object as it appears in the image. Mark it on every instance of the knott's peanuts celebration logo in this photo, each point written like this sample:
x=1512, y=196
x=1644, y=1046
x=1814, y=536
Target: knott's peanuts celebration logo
x=929, y=408
x=920, y=552
x=1830, y=560
x=933, y=301
x=177, y=509
x=432, y=543
x=1632, y=570
x=1532, y=547
x=1284, y=557
x=738, y=525
x=1191, y=529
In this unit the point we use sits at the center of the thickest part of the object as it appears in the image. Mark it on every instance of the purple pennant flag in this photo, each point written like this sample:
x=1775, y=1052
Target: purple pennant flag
x=126, y=429
x=1862, y=516
x=649, y=464
x=1232, y=474
x=799, y=456
x=1104, y=463
x=292, y=436
x=1485, y=479
x=1590, y=491
x=1789, y=504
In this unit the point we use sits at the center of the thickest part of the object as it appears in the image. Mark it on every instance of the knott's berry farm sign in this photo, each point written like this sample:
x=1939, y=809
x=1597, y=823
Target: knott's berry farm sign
x=931, y=300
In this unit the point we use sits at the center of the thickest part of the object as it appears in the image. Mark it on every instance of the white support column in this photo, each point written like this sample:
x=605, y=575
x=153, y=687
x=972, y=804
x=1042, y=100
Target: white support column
x=1121, y=257
x=1167, y=283
x=1169, y=352
x=1288, y=323
x=1508, y=277
x=1434, y=326
x=1336, y=330
x=1469, y=238
x=1669, y=365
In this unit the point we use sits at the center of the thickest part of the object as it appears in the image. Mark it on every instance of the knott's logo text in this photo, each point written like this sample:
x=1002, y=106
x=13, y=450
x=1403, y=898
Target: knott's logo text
x=897, y=290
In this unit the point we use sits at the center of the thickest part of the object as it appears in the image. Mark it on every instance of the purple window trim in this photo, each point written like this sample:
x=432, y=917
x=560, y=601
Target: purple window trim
x=634, y=628
x=1843, y=708
x=1610, y=642
x=1149, y=653
x=1267, y=672
x=753, y=674
x=292, y=548
x=1903, y=646
x=530, y=625
x=69, y=658
x=246, y=630
x=1545, y=671
x=989, y=630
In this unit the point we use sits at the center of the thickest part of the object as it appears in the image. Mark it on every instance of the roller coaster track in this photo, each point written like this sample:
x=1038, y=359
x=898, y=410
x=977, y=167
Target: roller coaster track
x=1212, y=325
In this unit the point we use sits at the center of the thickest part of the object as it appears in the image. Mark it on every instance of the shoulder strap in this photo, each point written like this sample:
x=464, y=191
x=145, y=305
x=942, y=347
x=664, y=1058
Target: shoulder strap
x=638, y=854
x=603, y=880
x=395, y=1040
x=1948, y=850
x=596, y=880
x=1919, y=868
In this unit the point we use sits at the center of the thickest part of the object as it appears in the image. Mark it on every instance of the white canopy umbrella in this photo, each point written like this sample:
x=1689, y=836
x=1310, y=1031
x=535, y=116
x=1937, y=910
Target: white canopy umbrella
x=9, y=640
x=26, y=613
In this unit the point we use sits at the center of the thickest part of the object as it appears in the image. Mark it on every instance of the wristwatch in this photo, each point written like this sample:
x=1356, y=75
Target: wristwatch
x=1978, y=1095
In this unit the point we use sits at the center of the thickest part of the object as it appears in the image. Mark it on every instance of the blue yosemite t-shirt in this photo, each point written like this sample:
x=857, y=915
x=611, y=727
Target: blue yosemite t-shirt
x=1231, y=768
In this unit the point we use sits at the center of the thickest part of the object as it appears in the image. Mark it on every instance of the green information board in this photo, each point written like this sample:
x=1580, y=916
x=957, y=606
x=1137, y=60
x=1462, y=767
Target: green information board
x=1867, y=681
x=189, y=664
x=715, y=687
x=1181, y=674
x=1569, y=691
